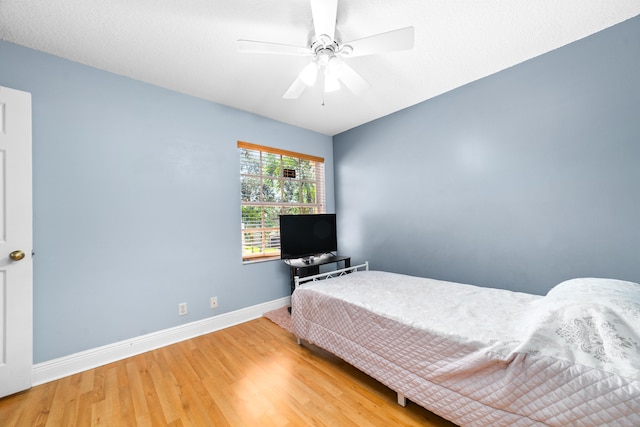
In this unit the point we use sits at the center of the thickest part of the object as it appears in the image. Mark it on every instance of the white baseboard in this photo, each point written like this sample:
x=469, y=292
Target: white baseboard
x=89, y=359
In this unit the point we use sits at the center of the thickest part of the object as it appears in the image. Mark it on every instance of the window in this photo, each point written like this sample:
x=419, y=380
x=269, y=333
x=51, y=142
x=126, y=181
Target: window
x=275, y=182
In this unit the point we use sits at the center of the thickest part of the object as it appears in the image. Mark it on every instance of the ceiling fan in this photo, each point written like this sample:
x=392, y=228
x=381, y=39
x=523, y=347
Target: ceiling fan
x=327, y=53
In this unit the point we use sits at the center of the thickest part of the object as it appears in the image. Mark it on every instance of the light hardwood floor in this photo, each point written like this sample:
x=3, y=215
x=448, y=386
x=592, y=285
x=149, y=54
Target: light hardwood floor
x=253, y=374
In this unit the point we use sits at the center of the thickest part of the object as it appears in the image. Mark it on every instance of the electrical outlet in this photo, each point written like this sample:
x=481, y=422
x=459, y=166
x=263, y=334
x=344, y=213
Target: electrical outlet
x=182, y=309
x=214, y=302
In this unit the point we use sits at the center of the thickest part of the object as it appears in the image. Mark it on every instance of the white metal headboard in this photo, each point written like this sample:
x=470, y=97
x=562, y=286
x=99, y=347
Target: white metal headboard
x=330, y=274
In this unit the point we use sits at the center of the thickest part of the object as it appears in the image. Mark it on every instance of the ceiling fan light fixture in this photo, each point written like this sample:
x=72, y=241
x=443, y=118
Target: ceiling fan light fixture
x=334, y=67
x=324, y=56
x=309, y=74
x=331, y=83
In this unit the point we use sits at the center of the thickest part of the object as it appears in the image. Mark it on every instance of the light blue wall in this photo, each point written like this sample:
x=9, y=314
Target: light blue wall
x=137, y=203
x=520, y=180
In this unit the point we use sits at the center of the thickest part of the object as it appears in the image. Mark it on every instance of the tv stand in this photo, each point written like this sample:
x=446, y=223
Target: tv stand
x=304, y=267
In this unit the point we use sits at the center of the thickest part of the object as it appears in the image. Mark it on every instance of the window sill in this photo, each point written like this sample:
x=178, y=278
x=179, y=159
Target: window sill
x=259, y=259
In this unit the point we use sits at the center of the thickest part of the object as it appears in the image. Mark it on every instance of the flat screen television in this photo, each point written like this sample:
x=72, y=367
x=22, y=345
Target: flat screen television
x=303, y=236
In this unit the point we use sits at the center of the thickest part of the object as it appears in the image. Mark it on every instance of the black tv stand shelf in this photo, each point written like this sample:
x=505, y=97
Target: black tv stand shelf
x=300, y=268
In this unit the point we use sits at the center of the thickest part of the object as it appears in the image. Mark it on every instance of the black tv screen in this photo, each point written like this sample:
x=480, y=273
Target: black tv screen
x=307, y=235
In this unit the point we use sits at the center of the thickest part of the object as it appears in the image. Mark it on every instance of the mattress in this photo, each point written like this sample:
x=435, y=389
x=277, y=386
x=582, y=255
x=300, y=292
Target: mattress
x=480, y=356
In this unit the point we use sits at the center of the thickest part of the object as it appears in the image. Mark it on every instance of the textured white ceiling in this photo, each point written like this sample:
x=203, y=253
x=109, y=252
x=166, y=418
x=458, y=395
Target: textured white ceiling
x=190, y=46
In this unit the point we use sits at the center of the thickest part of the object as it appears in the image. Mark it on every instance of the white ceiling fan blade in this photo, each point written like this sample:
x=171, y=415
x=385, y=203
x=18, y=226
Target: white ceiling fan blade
x=352, y=80
x=324, y=14
x=295, y=90
x=400, y=39
x=251, y=46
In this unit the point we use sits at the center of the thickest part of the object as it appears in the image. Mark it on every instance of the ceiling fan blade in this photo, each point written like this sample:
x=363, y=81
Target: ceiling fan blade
x=400, y=39
x=352, y=80
x=324, y=14
x=295, y=90
x=251, y=46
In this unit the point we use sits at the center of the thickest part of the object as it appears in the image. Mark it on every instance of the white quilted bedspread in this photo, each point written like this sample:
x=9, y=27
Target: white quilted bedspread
x=465, y=314
x=475, y=355
x=593, y=322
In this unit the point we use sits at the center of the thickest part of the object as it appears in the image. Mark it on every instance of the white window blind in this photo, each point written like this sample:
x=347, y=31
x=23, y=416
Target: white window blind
x=275, y=182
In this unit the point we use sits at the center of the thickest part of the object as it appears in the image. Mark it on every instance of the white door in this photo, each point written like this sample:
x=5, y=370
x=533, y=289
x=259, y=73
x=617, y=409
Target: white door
x=16, y=317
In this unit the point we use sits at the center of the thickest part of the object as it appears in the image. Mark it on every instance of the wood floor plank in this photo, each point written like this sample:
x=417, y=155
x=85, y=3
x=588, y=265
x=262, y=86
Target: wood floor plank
x=64, y=395
x=136, y=389
x=252, y=374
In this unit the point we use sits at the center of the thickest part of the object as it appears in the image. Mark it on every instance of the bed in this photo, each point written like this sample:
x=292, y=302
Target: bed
x=480, y=356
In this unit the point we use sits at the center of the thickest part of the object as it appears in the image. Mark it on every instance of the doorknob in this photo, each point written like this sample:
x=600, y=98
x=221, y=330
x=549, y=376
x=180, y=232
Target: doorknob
x=16, y=255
